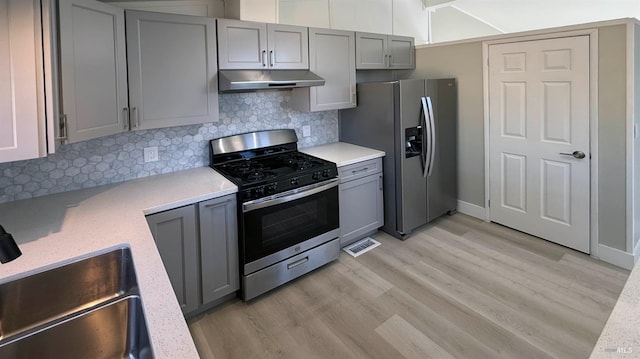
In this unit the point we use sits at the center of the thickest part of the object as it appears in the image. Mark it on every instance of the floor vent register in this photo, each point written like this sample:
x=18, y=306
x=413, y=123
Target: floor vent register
x=361, y=246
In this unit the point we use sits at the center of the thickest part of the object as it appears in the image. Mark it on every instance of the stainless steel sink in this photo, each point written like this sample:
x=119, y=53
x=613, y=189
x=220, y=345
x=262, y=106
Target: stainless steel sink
x=89, y=308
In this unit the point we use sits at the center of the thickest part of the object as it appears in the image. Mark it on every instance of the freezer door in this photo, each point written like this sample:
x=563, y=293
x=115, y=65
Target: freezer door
x=411, y=190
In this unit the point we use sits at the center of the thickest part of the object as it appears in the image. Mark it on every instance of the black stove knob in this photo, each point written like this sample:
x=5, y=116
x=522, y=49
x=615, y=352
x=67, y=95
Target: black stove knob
x=259, y=191
x=325, y=173
x=272, y=187
x=295, y=182
x=316, y=175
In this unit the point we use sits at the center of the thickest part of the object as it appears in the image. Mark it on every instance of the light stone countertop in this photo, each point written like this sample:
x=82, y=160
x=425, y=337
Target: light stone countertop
x=620, y=337
x=56, y=229
x=342, y=153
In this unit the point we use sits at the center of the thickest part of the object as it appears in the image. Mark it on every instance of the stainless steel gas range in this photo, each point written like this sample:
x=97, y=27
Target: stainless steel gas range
x=288, y=220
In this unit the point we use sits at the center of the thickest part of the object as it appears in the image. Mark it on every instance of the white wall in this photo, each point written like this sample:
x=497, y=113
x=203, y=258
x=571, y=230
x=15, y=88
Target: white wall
x=450, y=24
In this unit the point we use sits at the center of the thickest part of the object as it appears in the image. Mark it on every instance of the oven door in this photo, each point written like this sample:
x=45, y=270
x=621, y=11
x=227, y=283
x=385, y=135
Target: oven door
x=278, y=227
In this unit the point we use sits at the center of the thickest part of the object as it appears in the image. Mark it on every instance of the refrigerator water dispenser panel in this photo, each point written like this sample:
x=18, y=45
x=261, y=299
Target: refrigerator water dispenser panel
x=413, y=141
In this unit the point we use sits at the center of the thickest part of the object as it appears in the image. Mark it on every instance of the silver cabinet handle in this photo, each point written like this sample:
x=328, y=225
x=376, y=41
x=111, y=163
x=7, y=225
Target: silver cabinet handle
x=360, y=170
x=63, y=129
x=264, y=58
x=576, y=154
x=134, y=114
x=125, y=119
x=272, y=59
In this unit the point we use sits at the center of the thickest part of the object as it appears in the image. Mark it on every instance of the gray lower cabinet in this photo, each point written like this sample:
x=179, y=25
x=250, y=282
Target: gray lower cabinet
x=199, y=248
x=361, y=200
x=176, y=236
x=218, y=248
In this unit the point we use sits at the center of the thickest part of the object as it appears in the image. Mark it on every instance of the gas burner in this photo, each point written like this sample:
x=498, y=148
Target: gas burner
x=300, y=162
x=258, y=175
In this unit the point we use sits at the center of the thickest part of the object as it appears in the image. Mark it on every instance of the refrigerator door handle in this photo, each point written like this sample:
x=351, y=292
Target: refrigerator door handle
x=432, y=142
x=426, y=130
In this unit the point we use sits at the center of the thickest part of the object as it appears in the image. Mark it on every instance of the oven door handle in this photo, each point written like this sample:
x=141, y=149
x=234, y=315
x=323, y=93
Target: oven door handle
x=289, y=196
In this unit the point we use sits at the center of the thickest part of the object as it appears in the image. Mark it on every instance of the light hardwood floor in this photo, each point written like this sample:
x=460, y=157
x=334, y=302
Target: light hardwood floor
x=459, y=288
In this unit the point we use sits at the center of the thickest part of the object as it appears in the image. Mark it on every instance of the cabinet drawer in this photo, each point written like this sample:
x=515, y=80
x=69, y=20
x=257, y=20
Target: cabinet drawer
x=360, y=169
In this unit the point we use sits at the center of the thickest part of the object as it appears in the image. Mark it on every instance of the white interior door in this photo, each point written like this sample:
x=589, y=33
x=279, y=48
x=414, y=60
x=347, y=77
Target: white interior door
x=538, y=132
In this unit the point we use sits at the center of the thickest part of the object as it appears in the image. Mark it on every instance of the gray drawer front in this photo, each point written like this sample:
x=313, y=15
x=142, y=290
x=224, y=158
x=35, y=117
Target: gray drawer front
x=360, y=169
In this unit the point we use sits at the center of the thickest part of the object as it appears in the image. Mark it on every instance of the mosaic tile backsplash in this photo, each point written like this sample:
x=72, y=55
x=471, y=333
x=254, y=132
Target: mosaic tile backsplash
x=119, y=158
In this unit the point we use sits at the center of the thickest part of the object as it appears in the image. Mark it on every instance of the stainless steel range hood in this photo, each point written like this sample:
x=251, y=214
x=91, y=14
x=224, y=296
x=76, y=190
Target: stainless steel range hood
x=252, y=80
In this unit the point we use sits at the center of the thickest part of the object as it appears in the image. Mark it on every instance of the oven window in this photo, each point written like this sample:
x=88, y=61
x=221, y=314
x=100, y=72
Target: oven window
x=271, y=229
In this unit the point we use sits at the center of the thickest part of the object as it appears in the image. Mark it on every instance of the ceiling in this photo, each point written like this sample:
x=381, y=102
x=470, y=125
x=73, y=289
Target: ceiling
x=522, y=15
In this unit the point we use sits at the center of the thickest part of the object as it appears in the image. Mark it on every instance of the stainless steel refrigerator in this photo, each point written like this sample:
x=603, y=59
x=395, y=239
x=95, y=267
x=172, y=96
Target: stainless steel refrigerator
x=415, y=123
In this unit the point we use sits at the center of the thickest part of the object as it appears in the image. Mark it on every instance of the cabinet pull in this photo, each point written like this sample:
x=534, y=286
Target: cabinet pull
x=380, y=182
x=360, y=170
x=134, y=114
x=389, y=61
x=298, y=262
x=62, y=129
x=264, y=58
x=272, y=59
x=125, y=119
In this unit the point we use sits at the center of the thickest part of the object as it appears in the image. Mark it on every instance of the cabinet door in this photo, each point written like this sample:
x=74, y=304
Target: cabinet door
x=242, y=44
x=20, y=94
x=332, y=57
x=361, y=208
x=288, y=46
x=175, y=233
x=219, y=248
x=93, y=69
x=371, y=51
x=401, y=51
x=172, y=69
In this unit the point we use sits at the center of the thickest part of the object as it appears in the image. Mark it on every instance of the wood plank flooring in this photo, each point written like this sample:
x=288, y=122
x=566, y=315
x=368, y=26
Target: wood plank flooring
x=458, y=288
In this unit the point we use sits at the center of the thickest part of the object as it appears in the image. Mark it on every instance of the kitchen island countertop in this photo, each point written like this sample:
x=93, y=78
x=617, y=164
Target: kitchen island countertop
x=342, y=153
x=56, y=229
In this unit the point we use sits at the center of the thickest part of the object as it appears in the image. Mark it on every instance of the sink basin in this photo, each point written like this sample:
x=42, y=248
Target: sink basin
x=89, y=308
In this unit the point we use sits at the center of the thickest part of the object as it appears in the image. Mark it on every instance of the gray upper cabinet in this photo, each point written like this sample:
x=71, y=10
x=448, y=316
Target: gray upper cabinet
x=252, y=45
x=378, y=51
x=172, y=69
x=170, y=61
x=401, y=51
x=93, y=70
x=332, y=56
x=20, y=74
x=176, y=236
x=218, y=248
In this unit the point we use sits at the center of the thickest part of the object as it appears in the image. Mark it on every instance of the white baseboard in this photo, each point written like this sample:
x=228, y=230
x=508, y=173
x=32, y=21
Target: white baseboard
x=636, y=251
x=616, y=257
x=472, y=210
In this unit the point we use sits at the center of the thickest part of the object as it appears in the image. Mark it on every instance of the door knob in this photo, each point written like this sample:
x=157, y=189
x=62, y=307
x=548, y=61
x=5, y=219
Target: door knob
x=576, y=154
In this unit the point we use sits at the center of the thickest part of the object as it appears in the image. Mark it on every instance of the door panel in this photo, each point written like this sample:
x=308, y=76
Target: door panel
x=514, y=186
x=539, y=115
